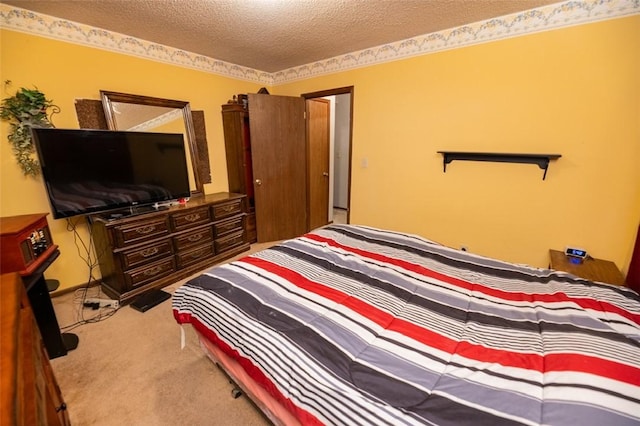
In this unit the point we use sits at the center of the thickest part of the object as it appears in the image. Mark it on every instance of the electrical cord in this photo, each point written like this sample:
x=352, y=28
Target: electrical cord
x=86, y=251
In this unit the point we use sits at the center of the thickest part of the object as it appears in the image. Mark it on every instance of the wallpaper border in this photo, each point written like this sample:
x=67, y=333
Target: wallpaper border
x=554, y=16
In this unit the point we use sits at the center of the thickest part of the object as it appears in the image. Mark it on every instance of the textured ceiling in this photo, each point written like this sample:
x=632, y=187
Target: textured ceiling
x=273, y=35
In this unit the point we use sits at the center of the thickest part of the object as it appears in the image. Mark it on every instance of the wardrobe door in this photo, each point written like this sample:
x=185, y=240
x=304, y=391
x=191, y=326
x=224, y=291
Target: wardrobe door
x=278, y=152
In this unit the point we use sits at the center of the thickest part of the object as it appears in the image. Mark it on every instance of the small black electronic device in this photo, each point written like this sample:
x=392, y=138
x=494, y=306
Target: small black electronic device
x=150, y=299
x=575, y=252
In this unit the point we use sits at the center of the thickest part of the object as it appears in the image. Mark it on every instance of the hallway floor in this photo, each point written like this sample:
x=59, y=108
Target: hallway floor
x=339, y=215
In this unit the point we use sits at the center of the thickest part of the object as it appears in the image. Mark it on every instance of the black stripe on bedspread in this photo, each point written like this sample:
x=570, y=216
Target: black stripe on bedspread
x=358, y=332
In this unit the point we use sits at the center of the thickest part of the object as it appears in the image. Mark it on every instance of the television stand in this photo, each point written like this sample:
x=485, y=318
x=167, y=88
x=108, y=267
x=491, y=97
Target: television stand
x=150, y=251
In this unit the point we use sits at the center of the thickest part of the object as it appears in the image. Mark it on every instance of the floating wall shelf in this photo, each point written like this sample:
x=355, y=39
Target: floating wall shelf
x=542, y=160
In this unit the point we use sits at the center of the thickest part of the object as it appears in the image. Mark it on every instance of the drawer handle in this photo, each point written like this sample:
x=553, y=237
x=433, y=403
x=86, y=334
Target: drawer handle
x=192, y=217
x=197, y=254
x=145, y=229
x=227, y=227
x=149, y=252
x=228, y=209
x=153, y=271
x=231, y=241
x=194, y=238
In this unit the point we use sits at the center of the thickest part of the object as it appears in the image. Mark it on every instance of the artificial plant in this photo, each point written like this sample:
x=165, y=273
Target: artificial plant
x=27, y=108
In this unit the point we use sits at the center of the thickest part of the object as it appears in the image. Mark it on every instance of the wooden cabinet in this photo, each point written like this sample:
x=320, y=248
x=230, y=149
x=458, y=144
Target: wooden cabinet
x=267, y=160
x=237, y=140
x=156, y=249
x=27, y=248
x=30, y=394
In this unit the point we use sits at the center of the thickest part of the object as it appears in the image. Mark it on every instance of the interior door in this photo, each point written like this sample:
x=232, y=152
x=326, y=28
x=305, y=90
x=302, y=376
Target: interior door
x=278, y=153
x=318, y=125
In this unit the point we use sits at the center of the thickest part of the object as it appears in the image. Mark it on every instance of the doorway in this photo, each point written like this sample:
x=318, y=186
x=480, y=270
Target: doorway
x=340, y=142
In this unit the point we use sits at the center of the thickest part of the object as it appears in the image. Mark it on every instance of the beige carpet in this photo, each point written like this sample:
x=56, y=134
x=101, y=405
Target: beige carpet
x=129, y=370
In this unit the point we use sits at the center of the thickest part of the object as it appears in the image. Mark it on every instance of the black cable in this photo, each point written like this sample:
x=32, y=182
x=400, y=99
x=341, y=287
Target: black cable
x=104, y=313
x=91, y=258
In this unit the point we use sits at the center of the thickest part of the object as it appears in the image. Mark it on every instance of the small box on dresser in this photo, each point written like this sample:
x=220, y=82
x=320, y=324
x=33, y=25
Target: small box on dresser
x=153, y=250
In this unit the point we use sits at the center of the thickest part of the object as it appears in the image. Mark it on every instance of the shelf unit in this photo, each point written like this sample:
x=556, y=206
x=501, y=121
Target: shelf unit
x=541, y=160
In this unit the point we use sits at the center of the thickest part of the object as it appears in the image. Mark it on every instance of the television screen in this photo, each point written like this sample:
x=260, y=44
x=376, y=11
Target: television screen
x=90, y=171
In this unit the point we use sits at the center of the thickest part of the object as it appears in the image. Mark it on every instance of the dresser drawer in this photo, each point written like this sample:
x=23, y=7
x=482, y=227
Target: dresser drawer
x=145, y=254
x=193, y=238
x=190, y=218
x=228, y=226
x=154, y=271
x=225, y=243
x=140, y=231
x=220, y=211
x=194, y=255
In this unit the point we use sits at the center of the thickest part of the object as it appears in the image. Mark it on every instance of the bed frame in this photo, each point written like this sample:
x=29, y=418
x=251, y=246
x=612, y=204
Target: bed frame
x=275, y=412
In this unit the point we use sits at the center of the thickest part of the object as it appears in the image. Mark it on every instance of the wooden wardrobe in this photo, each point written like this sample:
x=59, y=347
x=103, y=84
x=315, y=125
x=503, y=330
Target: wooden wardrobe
x=265, y=141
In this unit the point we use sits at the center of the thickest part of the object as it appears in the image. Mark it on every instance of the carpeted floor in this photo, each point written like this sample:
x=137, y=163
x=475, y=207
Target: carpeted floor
x=129, y=370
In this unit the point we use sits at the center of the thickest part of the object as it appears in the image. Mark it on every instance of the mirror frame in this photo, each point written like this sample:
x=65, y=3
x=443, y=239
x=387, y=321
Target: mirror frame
x=108, y=98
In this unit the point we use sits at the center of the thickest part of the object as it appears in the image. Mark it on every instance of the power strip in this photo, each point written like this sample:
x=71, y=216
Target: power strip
x=103, y=303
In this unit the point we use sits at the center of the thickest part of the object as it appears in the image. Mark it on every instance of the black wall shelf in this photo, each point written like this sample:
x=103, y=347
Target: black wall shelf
x=542, y=160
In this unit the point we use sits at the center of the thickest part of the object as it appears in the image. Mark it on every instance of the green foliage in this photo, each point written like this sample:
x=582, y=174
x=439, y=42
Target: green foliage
x=26, y=109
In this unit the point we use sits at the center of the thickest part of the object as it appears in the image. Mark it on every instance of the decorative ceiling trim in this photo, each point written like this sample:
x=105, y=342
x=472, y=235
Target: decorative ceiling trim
x=26, y=21
x=546, y=18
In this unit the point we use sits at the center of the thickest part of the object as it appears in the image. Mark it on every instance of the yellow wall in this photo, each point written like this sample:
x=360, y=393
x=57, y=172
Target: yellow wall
x=65, y=72
x=573, y=91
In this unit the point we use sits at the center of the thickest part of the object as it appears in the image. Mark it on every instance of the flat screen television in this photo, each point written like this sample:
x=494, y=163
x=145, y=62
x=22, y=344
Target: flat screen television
x=93, y=171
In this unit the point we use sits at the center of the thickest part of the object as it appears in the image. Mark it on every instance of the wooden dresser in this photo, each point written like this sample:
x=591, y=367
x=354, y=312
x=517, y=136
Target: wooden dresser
x=30, y=394
x=156, y=249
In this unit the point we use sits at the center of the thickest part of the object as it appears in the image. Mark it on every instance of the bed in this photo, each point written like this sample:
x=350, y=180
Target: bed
x=354, y=325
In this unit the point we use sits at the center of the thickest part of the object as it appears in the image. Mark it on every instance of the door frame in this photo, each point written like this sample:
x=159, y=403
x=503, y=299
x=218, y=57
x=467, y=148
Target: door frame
x=340, y=91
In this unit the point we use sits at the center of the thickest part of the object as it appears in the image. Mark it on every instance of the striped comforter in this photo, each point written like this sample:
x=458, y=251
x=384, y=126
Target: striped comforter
x=358, y=326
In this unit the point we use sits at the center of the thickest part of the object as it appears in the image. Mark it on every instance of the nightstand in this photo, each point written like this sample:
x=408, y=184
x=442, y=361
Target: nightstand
x=592, y=269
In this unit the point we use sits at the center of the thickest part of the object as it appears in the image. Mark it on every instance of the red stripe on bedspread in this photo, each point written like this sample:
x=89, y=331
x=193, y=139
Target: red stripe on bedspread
x=303, y=416
x=530, y=361
x=583, y=302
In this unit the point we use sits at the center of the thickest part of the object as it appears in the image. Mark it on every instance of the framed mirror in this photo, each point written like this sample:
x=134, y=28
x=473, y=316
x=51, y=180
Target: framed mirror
x=125, y=111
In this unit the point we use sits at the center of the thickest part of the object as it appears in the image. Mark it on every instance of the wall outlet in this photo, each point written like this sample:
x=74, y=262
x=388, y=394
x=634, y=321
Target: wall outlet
x=103, y=303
